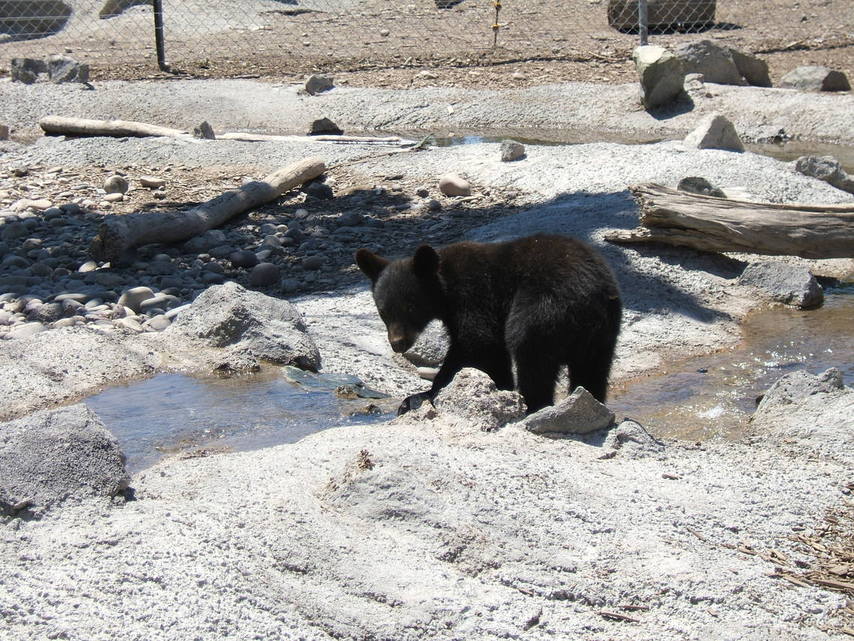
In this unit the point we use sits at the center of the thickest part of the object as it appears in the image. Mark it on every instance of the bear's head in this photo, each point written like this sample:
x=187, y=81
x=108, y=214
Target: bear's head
x=406, y=292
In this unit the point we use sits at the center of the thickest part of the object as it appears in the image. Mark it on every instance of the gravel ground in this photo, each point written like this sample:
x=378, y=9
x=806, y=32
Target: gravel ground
x=420, y=528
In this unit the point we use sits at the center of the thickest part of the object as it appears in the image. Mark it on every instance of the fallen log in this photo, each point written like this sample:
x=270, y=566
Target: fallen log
x=62, y=126
x=714, y=224
x=118, y=234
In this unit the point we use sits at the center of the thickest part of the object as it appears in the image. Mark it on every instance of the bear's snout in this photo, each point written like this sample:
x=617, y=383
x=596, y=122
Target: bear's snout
x=400, y=342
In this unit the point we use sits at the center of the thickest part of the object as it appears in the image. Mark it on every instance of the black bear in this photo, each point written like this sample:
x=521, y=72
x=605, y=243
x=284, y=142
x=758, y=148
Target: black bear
x=538, y=302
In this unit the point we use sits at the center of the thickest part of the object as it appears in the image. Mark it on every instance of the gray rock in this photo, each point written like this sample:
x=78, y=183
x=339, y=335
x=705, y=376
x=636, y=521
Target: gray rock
x=152, y=182
x=430, y=348
x=57, y=455
x=473, y=396
x=784, y=283
x=243, y=258
x=454, y=185
x=806, y=412
x=661, y=75
x=815, y=78
x=699, y=185
x=324, y=127
x=314, y=262
x=754, y=70
x=204, y=242
x=134, y=297
x=46, y=313
x=710, y=59
x=26, y=70
x=316, y=84
x=825, y=168
x=25, y=330
x=512, y=150
x=157, y=323
x=264, y=275
x=158, y=301
x=319, y=190
x=249, y=322
x=715, y=131
x=116, y=185
x=65, y=69
x=630, y=440
x=204, y=131
x=578, y=413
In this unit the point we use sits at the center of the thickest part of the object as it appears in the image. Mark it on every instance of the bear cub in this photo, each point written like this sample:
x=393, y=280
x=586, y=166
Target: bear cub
x=537, y=303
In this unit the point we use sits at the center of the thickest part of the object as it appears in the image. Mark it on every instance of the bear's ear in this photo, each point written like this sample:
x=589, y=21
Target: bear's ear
x=426, y=261
x=370, y=264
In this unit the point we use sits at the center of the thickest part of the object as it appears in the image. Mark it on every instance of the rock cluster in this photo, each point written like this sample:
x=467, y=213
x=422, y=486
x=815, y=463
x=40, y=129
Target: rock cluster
x=56, y=68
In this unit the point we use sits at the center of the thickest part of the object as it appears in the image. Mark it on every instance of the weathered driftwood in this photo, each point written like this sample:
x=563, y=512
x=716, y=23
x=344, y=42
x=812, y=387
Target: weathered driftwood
x=120, y=233
x=723, y=225
x=60, y=125
x=369, y=140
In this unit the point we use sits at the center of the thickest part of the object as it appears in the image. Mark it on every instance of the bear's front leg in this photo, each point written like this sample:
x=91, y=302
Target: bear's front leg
x=413, y=402
x=452, y=364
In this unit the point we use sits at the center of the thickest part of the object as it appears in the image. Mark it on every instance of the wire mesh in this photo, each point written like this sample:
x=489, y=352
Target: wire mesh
x=116, y=37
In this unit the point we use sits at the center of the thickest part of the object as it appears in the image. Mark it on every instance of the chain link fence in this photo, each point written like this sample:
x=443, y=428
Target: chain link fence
x=133, y=38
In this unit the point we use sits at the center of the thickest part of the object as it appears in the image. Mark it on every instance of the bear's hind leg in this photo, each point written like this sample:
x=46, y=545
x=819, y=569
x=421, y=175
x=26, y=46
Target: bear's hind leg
x=536, y=371
x=591, y=367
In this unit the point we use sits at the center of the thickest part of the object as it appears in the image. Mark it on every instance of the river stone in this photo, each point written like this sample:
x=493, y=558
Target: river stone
x=630, y=440
x=815, y=78
x=313, y=263
x=710, y=59
x=26, y=70
x=805, y=411
x=316, y=84
x=699, y=185
x=512, y=150
x=473, y=396
x=57, y=455
x=264, y=275
x=157, y=323
x=324, y=127
x=152, y=182
x=715, y=131
x=578, y=413
x=454, y=185
x=245, y=321
x=46, y=313
x=243, y=258
x=825, y=168
x=66, y=69
x=134, y=297
x=204, y=131
x=203, y=242
x=784, y=283
x=754, y=70
x=116, y=185
x=661, y=75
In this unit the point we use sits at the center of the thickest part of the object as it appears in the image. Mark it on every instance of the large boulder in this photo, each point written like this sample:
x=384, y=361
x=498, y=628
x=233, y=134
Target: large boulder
x=661, y=75
x=472, y=395
x=784, y=283
x=249, y=323
x=713, y=61
x=815, y=78
x=754, y=70
x=714, y=131
x=812, y=414
x=825, y=168
x=56, y=455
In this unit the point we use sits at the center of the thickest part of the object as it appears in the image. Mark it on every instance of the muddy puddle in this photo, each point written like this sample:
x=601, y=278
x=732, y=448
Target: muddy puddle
x=713, y=396
x=177, y=414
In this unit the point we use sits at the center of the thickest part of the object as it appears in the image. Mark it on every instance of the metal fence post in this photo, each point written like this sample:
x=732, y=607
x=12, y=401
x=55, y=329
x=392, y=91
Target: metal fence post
x=159, y=40
x=643, y=22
